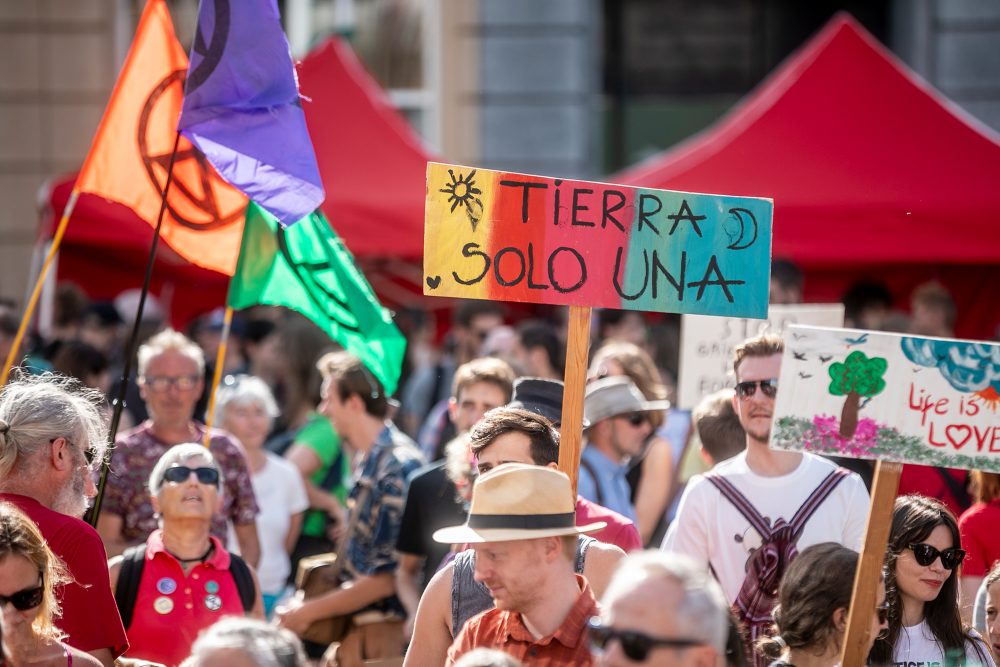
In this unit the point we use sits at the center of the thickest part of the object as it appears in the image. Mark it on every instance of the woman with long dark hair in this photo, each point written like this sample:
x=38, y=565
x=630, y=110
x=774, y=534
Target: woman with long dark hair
x=921, y=566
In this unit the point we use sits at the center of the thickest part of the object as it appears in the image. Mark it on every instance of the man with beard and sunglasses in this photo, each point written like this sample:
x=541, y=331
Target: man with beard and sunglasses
x=51, y=434
x=763, y=504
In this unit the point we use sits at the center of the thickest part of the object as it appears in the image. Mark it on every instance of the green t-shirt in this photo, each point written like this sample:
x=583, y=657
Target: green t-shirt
x=318, y=435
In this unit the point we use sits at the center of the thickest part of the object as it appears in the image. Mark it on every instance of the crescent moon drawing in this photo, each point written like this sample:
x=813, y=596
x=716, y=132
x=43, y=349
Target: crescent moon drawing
x=741, y=214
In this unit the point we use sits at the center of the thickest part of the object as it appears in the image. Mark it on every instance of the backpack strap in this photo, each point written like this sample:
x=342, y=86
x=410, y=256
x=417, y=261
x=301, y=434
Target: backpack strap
x=127, y=586
x=741, y=503
x=597, y=482
x=815, y=499
x=243, y=580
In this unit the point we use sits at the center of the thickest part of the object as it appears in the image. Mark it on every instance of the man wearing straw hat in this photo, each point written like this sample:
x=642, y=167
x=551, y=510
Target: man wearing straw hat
x=522, y=525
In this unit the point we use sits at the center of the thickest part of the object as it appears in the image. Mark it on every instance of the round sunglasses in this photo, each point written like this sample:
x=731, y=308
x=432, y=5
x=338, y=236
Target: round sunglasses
x=925, y=554
x=635, y=645
x=26, y=599
x=179, y=474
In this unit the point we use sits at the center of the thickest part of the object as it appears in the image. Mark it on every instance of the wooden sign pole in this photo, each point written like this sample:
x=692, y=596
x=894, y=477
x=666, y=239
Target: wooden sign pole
x=870, y=563
x=571, y=430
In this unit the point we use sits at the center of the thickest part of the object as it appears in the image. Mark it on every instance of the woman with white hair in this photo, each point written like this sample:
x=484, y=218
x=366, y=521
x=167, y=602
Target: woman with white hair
x=245, y=406
x=182, y=580
x=245, y=641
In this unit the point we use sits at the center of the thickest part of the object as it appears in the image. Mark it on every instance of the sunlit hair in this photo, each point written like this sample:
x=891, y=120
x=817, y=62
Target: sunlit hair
x=914, y=518
x=166, y=341
x=985, y=486
x=36, y=409
x=20, y=537
x=639, y=367
x=719, y=429
x=702, y=613
x=817, y=583
x=487, y=657
x=490, y=370
x=543, y=436
x=177, y=455
x=266, y=645
x=347, y=375
x=764, y=345
x=244, y=390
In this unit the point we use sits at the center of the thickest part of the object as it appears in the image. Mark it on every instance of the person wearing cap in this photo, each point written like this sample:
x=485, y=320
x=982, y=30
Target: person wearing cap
x=355, y=402
x=433, y=500
x=522, y=526
x=513, y=435
x=618, y=423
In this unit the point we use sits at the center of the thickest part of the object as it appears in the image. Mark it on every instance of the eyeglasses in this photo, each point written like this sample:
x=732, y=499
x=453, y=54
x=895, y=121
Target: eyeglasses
x=162, y=382
x=925, y=554
x=635, y=418
x=179, y=474
x=749, y=388
x=635, y=645
x=24, y=600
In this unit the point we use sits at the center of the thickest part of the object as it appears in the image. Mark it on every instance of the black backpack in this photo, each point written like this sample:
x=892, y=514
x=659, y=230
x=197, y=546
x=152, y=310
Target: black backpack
x=130, y=574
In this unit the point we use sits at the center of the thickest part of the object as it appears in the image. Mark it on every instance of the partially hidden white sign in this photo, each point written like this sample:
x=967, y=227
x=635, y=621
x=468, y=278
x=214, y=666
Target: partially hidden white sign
x=707, y=344
x=872, y=395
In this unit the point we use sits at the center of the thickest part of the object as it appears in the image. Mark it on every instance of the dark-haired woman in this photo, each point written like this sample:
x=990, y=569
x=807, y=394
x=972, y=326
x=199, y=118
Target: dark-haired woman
x=921, y=564
x=813, y=602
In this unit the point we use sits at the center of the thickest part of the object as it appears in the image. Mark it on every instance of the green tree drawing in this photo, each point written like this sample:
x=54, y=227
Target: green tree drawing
x=858, y=376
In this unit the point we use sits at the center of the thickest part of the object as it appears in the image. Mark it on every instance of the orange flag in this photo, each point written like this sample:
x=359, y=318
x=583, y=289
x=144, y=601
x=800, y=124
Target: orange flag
x=131, y=151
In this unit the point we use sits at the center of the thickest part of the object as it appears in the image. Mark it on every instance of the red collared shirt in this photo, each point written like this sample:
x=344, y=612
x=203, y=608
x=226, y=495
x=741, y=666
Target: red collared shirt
x=505, y=630
x=171, y=608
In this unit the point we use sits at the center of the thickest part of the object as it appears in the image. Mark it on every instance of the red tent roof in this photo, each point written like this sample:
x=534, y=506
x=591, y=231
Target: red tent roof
x=866, y=163
x=371, y=162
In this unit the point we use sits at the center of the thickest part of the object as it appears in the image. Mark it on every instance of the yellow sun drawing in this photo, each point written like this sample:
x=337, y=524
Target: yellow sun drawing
x=462, y=191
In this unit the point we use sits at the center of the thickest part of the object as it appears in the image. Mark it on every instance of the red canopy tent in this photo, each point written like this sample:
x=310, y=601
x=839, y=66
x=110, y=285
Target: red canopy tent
x=372, y=164
x=873, y=174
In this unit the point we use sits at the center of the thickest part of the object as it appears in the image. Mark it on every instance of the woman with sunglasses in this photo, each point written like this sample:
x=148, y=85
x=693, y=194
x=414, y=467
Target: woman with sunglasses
x=29, y=572
x=813, y=603
x=921, y=565
x=188, y=580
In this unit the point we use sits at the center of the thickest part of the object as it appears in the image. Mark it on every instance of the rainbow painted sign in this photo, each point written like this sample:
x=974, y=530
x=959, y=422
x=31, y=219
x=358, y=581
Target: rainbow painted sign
x=511, y=237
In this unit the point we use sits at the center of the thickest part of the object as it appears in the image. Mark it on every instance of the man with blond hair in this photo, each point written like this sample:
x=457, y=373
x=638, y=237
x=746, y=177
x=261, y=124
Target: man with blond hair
x=171, y=379
x=522, y=526
x=763, y=502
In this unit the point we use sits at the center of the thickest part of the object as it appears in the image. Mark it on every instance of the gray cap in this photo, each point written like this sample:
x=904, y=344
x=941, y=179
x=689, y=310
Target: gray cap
x=613, y=396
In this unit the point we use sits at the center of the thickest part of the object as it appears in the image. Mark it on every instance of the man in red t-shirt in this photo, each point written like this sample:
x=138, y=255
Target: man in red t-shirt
x=51, y=430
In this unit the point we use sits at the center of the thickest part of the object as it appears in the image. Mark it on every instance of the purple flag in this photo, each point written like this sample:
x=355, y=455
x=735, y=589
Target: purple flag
x=241, y=107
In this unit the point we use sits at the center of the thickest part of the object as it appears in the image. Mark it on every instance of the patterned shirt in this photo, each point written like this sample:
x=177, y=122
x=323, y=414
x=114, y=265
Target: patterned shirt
x=385, y=470
x=136, y=452
x=505, y=630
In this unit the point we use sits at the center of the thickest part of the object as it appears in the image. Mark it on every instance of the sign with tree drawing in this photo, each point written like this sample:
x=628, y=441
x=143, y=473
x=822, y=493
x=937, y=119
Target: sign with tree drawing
x=891, y=397
x=513, y=237
x=707, y=344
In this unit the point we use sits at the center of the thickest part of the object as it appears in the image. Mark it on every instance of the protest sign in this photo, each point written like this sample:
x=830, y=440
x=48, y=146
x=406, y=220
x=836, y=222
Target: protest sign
x=891, y=397
x=511, y=237
x=707, y=344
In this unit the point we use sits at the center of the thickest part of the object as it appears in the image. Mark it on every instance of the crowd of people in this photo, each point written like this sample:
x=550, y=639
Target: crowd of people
x=447, y=532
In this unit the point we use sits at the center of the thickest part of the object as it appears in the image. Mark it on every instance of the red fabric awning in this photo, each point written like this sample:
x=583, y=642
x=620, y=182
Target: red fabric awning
x=869, y=167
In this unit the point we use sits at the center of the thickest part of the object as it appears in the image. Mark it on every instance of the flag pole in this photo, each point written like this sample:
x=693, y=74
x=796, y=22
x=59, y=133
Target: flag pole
x=220, y=357
x=29, y=308
x=119, y=402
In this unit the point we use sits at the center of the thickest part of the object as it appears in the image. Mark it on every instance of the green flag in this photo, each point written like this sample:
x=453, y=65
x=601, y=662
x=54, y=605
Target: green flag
x=307, y=268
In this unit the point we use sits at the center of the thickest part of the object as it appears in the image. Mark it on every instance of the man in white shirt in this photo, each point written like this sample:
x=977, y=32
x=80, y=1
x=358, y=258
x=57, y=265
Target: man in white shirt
x=784, y=501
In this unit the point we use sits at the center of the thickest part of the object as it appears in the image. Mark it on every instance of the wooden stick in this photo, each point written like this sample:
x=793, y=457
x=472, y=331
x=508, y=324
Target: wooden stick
x=220, y=358
x=571, y=430
x=29, y=308
x=866, y=578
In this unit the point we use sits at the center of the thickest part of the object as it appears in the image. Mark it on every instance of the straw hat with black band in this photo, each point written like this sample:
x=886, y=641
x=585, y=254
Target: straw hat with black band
x=516, y=501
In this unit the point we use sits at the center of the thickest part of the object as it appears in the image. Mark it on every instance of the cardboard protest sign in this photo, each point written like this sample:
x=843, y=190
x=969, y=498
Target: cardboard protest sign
x=862, y=394
x=512, y=237
x=707, y=344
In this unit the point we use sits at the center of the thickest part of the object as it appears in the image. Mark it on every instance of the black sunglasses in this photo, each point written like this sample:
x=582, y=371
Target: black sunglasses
x=925, y=554
x=88, y=453
x=635, y=645
x=749, y=388
x=635, y=419
x=24, y=600
x=179, y=474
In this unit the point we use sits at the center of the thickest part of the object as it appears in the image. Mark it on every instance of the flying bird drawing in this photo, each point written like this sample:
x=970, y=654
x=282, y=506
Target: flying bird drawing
x=863, y=338
x=800, y=356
